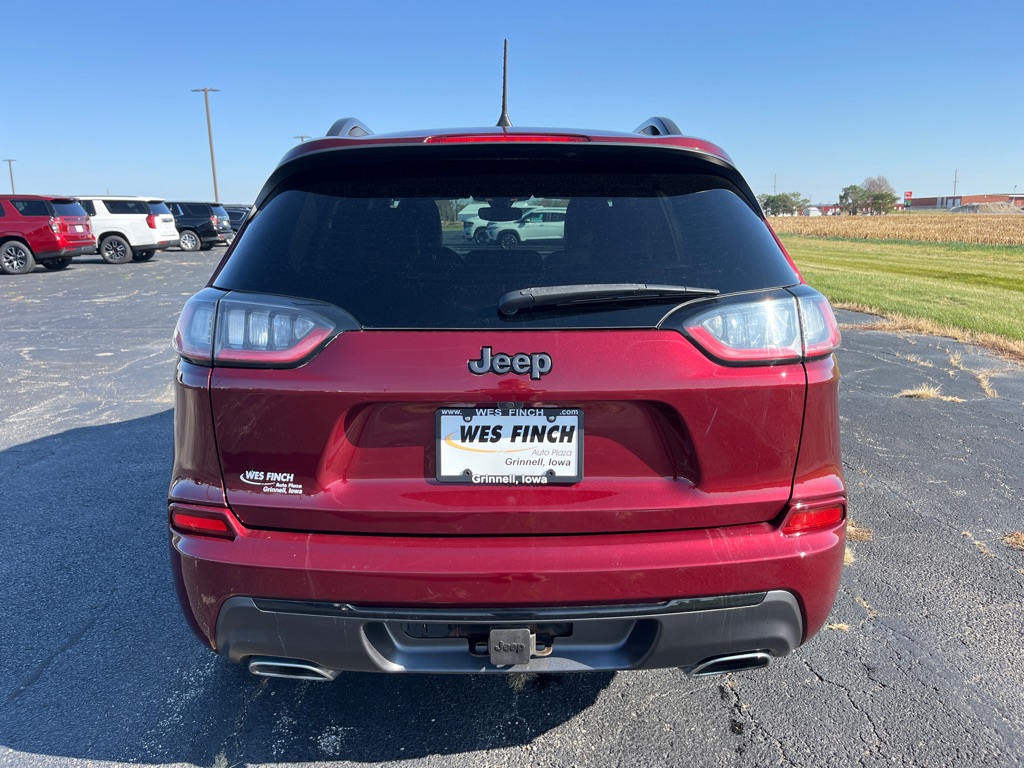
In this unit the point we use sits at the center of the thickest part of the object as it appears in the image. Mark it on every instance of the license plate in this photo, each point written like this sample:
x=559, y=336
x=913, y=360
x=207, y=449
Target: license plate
x=79, y=228
x=516, y=445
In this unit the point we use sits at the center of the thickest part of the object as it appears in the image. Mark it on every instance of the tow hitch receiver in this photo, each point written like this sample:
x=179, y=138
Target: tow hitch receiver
x=511, y=646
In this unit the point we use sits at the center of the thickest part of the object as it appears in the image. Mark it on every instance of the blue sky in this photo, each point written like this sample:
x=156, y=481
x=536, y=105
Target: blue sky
x=808, y=97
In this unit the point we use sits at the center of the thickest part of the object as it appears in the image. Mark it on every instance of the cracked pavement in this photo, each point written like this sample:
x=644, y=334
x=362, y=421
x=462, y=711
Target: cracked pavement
x=919, y=664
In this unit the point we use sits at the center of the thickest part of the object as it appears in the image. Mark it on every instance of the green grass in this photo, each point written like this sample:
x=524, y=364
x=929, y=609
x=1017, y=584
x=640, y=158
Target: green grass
x=978, y=288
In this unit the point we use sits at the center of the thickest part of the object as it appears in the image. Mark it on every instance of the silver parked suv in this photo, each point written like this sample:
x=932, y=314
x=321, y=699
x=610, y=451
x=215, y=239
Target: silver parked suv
x=538, y=224
x=129, y=228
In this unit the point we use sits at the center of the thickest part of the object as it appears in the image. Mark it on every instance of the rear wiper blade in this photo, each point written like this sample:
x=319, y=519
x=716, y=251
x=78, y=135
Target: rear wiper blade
x=595, y=293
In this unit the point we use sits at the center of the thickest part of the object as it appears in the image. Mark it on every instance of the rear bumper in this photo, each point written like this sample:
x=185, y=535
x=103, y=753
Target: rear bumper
x=70, y=251
x=678, y=633
x=305, y=596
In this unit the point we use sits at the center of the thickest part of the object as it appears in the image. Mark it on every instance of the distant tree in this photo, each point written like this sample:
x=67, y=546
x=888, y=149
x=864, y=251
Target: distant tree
x=853, y=199
x=878, y=184
x=881, y=195
x=448, y=210
x=783, y=204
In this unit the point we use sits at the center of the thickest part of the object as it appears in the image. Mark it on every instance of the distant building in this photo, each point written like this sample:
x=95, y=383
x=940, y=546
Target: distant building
x=944, y=203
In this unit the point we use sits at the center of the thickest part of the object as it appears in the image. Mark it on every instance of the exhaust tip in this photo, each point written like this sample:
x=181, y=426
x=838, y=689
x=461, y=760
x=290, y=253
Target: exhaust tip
x=291, y=669
x=722, y=665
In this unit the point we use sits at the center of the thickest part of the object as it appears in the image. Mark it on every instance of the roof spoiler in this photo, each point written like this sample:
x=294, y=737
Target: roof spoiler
x=658, y=126
x=348, y=126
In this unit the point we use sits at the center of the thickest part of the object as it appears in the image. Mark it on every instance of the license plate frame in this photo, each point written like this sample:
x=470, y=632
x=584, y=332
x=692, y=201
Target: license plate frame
x=533, y=445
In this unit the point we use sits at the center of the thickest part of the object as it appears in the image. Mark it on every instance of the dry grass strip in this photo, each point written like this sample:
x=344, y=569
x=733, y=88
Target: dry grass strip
x=893, y=322
x=930, y=392
x=855, y=532
x=1014, y=540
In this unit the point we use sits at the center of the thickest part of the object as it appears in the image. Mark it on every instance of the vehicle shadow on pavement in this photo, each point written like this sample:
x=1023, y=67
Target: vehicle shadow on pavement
x=98, y=663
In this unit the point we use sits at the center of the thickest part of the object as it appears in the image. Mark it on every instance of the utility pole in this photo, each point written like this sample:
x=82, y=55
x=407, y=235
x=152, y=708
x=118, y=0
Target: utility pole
x=10, y=168
x=209, y=130
x=775, y=183
x=954, y=182
x=301, y=137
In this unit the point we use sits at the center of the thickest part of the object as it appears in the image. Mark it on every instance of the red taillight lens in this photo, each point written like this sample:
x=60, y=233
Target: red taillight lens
x=151, y=221
x=201, y=521
x=249, y=330
x=777, y=328
x=213, y=220
x=55, y=225
x=512, y=138
x=807, y=520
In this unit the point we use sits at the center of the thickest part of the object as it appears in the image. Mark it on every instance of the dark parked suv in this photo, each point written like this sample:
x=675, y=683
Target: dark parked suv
x=201, y=225
x=36, y=229
x=397, y=450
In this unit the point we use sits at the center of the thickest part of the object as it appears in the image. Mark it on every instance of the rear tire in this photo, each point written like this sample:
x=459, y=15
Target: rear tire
x=115, y=250
x=16, y=258
x=55, y=265
x=508, y=240
x=189, y=240
x=143, y=256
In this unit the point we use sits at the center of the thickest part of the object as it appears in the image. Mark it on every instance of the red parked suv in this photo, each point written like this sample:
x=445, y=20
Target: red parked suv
x=43, y=230
x=400, y=451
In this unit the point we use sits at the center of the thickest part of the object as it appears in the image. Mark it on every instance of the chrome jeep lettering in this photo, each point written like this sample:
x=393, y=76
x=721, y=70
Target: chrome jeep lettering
x=534, y=363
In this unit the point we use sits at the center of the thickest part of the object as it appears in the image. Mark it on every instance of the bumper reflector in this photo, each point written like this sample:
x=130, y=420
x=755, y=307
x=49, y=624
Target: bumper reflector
x=805, y=520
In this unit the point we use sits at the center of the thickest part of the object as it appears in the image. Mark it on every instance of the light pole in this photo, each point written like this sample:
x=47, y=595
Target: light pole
x=209, y=130
x=301, y=137
x=10, y=168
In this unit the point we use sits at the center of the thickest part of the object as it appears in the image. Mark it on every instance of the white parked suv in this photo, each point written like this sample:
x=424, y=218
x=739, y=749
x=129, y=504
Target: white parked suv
x=540, y=224
x=474, y=228
x=129, y=228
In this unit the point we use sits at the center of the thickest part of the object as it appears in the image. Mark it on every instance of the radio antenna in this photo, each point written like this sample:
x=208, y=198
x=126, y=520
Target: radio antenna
x=503, y=121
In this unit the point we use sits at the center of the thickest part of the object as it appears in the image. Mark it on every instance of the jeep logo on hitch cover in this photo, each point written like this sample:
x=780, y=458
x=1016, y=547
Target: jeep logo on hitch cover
x=534, y=363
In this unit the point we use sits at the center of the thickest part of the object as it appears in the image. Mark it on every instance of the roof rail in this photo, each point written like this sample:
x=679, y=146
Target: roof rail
x=658, y=126
x=348, y=126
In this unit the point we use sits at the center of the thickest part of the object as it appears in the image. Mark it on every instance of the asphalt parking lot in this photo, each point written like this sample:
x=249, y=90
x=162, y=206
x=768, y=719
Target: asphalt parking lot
x=920, y=664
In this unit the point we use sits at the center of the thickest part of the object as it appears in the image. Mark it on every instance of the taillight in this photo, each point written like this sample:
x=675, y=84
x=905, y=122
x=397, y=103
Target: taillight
x=818, y=323
x=151, y=221
x=253, y=330
x=802, y=520
x=777, y=327
x=213, y=220
x=193, y=334
x=55, y=225
x=200, y=521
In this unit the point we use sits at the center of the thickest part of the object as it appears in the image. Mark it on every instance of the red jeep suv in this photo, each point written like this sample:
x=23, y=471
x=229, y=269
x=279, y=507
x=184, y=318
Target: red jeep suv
x=37, y=229
x=397, y=450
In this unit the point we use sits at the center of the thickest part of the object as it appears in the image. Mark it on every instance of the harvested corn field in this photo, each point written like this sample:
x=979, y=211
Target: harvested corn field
x=975, y=229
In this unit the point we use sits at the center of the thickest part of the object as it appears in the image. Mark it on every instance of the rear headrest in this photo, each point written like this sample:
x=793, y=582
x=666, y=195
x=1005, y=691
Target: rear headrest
x=413, y=229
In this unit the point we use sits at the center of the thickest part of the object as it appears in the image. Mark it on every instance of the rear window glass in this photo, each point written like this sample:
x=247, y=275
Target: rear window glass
x=127, y=206
x=220, y=212
x=392, y=250
x=32, y=207
x=69, y=209
x=158, y=208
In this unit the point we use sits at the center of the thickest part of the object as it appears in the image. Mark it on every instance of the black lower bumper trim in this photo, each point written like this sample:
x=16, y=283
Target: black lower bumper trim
x=676, y=633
